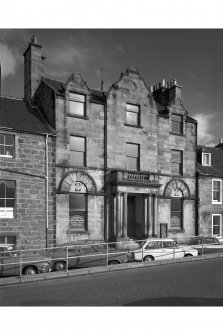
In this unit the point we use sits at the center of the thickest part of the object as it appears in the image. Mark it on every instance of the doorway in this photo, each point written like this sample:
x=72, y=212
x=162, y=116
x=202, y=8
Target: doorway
x=136, y=216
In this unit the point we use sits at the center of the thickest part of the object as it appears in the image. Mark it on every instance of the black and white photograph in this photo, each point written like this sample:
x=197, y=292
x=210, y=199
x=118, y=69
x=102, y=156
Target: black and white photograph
x=111, y=172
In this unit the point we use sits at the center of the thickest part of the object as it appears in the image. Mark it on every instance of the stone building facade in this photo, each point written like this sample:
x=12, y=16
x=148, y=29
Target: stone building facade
x=121, y=162
x=125, y=158
x=210, y=177
x=27, y=151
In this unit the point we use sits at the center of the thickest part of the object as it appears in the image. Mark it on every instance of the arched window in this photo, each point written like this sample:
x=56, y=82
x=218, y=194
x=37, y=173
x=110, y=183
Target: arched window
x=78, y=211
x=176, y=216
x=78, y=185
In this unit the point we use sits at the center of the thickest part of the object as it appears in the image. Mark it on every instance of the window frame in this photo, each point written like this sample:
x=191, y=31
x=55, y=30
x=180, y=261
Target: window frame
x=5, y=145
x=180, y=164
x=83, y=103
x=177, y=122
x=137, y=158
x=7, y=236
x=85, y=228
x=138, y=124
x=220, y=225
x=14, y=201
x=84, y=152
x=220, y=191
x=209, y=155
x=181, y=212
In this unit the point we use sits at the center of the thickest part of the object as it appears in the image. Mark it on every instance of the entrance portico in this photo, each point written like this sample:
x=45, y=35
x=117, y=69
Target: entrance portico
x=135, y=211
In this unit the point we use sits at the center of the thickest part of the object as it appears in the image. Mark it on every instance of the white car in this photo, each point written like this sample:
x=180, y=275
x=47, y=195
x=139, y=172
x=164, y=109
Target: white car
x=161, y=248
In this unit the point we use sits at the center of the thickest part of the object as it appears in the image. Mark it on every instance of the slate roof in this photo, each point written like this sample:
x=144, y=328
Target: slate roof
x=18, y=114
x=56, y=85
x=216, y=168
x=96, y=96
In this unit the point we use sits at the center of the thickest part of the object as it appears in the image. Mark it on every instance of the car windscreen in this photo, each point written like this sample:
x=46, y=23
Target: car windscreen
x=13, y=251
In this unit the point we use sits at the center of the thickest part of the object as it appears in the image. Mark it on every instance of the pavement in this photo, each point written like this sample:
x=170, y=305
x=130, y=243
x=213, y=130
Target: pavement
x=101, y=269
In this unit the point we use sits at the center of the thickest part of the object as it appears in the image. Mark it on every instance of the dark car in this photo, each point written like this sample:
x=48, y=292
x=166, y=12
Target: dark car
x=12, y=262
x=206, y=244
x=86, y=255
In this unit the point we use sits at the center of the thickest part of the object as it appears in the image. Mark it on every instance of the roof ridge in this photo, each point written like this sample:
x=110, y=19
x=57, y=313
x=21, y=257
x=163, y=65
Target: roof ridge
x=59, y=81
x=11, y=97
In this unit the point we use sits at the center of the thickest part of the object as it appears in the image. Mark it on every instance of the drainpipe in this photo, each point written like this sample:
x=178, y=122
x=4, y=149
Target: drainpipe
x=0, y=85
x=46, y=188
x=197, y=193
x=105, y=173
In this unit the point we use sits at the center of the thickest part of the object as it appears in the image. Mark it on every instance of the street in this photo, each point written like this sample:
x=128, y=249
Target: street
x=186, y=284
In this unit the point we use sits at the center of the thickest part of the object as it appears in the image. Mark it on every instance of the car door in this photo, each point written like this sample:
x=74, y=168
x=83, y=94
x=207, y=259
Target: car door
x=171, y=250
x=212, y=245
x=8, y=264
x=73, y=256
x=153, y=248
x=88, y=256
x=198, y=244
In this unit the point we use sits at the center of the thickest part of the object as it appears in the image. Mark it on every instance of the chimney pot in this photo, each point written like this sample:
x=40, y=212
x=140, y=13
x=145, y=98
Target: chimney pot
x=163, y=83
x=174, y=82
x=34, y=39
x=220, y=140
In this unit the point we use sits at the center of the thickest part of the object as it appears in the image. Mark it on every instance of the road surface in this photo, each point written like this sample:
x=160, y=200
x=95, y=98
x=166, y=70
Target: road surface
x=186, y=284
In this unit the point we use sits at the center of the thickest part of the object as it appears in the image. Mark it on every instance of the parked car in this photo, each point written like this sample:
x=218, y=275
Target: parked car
x=220, y=239
x=10, y=258
x=206, y=244
x=159, y=249
x=86, y=255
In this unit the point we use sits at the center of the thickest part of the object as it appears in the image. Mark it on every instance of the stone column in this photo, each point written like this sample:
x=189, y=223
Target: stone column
x=145, y=216
x=118, y=215
x=155, y=215
x=149, y=216
x=125, y=215
x=114, y=215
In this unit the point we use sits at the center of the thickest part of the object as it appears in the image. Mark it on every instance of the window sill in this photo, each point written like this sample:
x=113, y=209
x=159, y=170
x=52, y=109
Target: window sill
x=176, y=230
x=78, y=117
x=132, y=125
x=216, y=203
x=77, y=231
x=178, y=134
x=7, y=156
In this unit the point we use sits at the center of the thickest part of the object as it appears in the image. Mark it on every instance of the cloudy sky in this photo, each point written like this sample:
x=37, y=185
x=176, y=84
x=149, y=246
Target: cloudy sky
x=193, y=57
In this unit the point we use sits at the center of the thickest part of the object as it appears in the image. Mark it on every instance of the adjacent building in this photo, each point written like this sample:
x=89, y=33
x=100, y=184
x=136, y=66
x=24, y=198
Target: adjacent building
x=27, y=157
x=210, y=176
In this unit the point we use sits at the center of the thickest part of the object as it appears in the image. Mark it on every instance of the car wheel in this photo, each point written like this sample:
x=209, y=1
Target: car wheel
x=113, y=262
x=188, y=255
x=30, y=270
x=60, y=266
x=148, y=259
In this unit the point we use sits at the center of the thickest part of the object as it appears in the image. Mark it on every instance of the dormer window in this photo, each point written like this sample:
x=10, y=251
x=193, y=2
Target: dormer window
x=177, y=124
x=77, y=104
x=132, y=115
x=206, y=159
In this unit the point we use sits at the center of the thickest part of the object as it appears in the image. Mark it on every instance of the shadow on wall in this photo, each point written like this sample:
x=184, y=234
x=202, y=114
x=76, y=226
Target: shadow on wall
x=178, y=301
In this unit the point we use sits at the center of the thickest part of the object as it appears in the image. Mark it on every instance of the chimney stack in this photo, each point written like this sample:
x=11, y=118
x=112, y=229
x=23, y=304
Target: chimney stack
x=220, y=144
x=174, y=91
x=33, y=69
x=0, y=86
